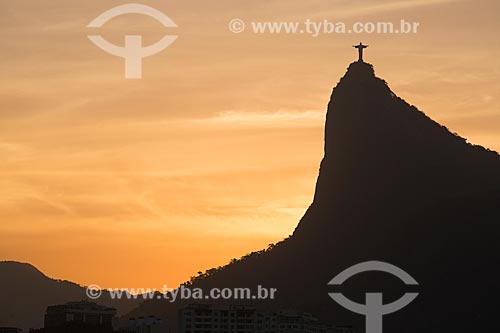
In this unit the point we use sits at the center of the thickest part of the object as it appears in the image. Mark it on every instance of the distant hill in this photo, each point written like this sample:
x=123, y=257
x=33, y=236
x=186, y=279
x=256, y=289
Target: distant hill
x=393, y=186
x=26, y=292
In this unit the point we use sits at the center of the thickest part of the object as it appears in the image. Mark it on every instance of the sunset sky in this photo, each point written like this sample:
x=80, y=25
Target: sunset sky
x=215, y=152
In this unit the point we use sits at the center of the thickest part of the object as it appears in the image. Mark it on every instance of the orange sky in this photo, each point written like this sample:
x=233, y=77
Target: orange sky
x=214, y=153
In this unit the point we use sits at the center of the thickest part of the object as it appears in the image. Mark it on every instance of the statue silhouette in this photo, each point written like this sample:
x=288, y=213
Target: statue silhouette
x=360, y=48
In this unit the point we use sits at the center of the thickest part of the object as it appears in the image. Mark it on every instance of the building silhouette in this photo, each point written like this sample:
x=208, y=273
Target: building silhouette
x=10, y=330
x=149, y=324
x=205, y=318
x=76, y=317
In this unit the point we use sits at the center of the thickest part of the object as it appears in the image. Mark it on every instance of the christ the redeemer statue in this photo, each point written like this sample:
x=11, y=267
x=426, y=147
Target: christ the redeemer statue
x=360, y=48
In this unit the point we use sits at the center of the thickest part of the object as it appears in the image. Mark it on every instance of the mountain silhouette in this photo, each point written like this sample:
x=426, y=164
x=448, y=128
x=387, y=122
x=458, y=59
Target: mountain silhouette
x=26, y=292
x=394, y=186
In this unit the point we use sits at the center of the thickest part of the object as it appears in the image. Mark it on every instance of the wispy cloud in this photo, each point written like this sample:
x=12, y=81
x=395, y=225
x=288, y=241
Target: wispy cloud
x=348, y=9
x=280, y=118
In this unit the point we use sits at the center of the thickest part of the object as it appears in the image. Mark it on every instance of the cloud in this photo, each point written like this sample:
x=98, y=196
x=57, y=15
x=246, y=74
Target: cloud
x=352, y=9
x=281, y=118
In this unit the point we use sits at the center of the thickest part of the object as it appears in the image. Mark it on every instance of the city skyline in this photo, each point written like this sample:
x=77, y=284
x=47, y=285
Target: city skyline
x=215, y=152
